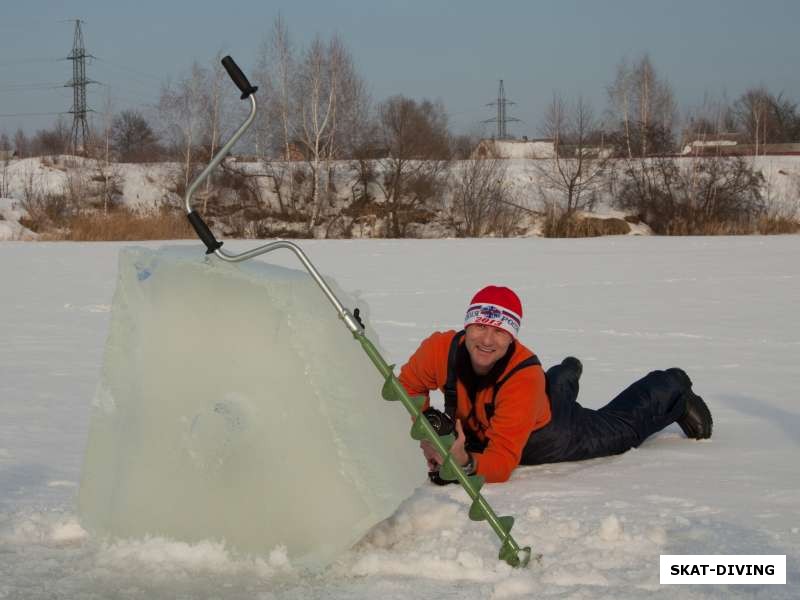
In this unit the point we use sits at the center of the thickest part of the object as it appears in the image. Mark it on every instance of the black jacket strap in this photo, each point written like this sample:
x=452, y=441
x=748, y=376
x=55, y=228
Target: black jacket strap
x=528, y=362
x=450, y=390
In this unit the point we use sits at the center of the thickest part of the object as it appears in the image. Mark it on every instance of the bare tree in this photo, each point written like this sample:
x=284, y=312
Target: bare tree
x=702, y=195
x=711, y=120
x=415, y=141
x=350, y=118
x=620, y=98
x=463, y=145
x=49, y=142
x=216, y=110
x=643, y=106
x=44, y=208
x=479, y=202
x=4, y=179
x=275, y=73
x=5, y=148
x=315, y=95
x=181, y=108
x=767, y=118
x=318, y=100
x=132, y=138
x=350, y=125
x=580, y=164
x=105, y=170
x=752, y=111
x=21, y=144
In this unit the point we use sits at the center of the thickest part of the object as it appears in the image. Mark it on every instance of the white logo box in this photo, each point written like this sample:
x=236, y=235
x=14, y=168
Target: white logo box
x=694, y=569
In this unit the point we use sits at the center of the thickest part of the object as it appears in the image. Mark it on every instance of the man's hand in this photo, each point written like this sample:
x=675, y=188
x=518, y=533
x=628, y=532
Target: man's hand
x=457, y=450
x=435, y=460
x=432, y=456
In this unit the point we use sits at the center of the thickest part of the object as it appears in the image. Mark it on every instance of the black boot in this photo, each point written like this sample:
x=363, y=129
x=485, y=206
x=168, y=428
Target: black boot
x=573, y=364
x=696, y=422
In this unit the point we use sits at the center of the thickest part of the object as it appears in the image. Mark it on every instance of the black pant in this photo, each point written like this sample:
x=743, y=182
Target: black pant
x=578, y=433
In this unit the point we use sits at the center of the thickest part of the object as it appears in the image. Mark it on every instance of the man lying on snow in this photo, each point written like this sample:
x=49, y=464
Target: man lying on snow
x=508, y=412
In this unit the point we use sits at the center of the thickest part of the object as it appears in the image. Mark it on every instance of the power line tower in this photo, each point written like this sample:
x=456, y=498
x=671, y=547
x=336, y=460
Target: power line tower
x=501, y=119
x=80, y=126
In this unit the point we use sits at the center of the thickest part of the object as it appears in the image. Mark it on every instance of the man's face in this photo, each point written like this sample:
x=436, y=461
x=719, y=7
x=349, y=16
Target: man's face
x=486, y=345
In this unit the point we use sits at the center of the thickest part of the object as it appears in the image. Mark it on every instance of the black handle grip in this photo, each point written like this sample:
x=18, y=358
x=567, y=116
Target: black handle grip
x=203, y=232
x=238, y=77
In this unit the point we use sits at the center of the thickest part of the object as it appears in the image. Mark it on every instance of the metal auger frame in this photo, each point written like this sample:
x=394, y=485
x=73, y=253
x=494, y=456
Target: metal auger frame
x=480, y=510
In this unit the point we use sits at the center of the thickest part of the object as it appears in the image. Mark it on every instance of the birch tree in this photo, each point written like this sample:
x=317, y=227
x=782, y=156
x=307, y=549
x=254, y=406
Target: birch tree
x=643, y=107
x=275, y=74
x=181, y=108
x=315, y=97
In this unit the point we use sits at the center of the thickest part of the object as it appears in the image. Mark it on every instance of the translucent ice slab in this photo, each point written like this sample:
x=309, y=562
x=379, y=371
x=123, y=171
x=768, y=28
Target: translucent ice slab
x=234, y=405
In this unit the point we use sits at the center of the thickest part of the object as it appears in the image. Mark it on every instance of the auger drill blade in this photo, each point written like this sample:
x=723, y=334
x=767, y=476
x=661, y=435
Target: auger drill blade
x=476, y=481
x=477, y=512
x=511, y=555
x=418, y=429
x=447, y=440
x=507, y=523
x=389, y=391
x=418, y=401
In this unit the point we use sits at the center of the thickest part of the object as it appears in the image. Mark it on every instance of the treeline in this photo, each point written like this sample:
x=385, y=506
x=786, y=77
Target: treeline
x=629, y=154
x=330, y=159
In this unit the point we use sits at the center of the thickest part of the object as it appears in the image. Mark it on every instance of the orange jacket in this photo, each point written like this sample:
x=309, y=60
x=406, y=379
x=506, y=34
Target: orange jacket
x=521, y=404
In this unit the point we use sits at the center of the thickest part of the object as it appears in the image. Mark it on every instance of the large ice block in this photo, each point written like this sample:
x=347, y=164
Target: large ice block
x=234, y=405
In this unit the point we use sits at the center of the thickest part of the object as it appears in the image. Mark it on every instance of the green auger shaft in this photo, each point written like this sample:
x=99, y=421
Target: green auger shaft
x=422, y=429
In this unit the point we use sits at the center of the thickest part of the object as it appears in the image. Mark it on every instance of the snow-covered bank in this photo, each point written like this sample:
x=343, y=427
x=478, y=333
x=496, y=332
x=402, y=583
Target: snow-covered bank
x=149, y=186
x=722, y=308
x=10, y=227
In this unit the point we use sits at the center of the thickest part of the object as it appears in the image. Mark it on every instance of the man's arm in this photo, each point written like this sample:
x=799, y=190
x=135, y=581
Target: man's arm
x=420, y=374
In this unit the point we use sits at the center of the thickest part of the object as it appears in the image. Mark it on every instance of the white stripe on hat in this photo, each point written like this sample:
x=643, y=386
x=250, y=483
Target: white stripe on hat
x=493, y=315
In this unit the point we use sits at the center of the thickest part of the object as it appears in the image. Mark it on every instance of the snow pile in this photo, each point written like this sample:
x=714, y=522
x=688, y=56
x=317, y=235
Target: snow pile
x=10, y=227
x=42, y=528
x=166, y=559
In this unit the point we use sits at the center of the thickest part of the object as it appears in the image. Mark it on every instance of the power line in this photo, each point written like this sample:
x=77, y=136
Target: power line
x=28, y=61
x=22, y=87
x=129, y=69
x=45, y=114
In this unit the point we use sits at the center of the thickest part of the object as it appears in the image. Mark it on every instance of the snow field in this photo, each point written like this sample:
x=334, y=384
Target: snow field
x=722, y=308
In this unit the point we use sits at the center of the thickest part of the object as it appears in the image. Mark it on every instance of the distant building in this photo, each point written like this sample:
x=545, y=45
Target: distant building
x=735, y=145
x=7, y=154
x=588, y=152
x=524, y=148
x=712, y=143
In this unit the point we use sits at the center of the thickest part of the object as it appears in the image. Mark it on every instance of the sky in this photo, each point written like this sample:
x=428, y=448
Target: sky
x=453, y=51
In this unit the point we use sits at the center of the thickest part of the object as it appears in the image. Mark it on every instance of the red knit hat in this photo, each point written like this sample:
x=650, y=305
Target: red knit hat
x=495, y=306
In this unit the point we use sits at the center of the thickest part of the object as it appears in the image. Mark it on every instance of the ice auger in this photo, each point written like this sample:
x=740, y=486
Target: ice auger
x=392, y=389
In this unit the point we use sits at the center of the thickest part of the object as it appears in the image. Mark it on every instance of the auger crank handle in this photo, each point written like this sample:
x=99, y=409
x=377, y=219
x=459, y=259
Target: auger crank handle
x=238, y=77
x=248, y=92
